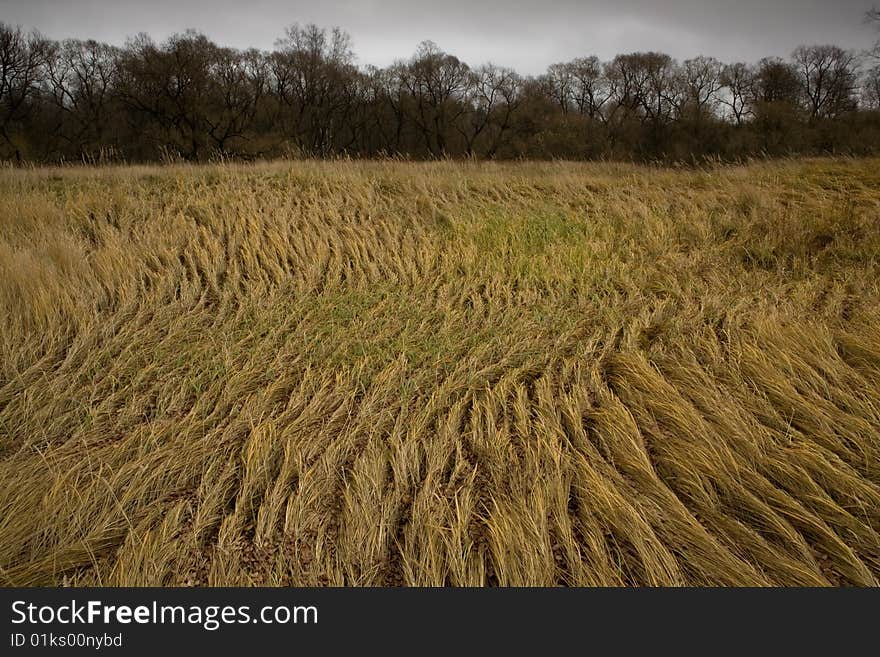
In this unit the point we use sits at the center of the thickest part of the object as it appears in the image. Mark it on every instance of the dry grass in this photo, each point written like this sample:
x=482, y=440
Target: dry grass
x=440, y=374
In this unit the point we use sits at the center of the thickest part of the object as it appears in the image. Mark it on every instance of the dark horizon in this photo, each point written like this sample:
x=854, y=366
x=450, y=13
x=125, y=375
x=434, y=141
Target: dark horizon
x=160, y=98
x=524, y=36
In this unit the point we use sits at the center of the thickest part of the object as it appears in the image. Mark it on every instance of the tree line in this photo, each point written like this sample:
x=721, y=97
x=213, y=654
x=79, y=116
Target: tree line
x=189, y=98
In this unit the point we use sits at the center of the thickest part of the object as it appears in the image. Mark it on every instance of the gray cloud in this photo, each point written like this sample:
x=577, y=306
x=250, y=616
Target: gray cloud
x=525, y=35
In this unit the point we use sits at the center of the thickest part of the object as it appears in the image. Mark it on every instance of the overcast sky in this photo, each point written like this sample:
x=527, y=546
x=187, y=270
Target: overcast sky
x=527, y=35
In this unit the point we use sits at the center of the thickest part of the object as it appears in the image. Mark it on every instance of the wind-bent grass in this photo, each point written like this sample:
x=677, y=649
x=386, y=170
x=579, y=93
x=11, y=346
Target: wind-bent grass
x=440, y=374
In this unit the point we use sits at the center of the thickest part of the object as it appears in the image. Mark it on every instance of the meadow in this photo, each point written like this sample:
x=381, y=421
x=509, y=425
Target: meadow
x=461, y=374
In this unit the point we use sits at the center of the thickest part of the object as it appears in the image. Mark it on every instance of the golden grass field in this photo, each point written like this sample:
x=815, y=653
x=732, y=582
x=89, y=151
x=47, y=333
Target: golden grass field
x=349, y=373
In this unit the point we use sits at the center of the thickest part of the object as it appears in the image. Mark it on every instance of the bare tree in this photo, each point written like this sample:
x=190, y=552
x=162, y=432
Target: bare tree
x=168, y=86
x=871, y=88
x=873, y=17
x=437, y=83
x=558, y=84
x=644, y=83
x=628, y=78
x=80, y=81
x=775, y=81
x=590, y=89
x=494, y=95
x=739, y=80
x=22, y=57
x=827, y=76
x=386, y=95
x=313, y=73
x=240, y=81
x=702, y=80
x=659, y=94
